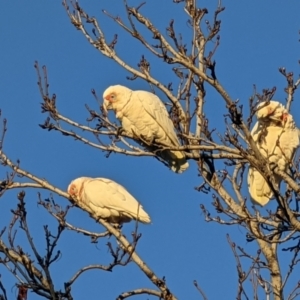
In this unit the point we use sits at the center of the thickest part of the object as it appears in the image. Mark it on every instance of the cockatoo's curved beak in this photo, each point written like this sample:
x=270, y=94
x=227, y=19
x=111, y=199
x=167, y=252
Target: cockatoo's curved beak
x=106, y=105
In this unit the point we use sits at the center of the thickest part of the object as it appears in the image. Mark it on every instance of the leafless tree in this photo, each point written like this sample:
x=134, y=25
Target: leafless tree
x=195, y=70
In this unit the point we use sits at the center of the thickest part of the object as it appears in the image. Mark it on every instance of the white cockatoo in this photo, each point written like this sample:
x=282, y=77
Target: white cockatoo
x=145, y=117
x=277, y=138
x=107, y=199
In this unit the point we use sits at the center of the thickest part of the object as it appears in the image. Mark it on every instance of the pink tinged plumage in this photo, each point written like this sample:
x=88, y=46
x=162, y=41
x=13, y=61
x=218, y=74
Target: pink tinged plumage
x=107, y=200
x=144, y=116
x=277, y=139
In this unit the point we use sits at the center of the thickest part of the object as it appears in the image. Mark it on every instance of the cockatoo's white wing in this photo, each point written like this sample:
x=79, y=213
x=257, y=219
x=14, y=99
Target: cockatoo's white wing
x=277, y=143
x=156, y=118
x=266, y=138
x=160, y=117
x=102, y=193
x=259, y=189
x=289, y=140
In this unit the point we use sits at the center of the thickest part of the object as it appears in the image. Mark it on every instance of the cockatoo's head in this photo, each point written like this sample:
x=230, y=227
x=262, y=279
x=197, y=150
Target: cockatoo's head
x=75, y=187
x=274, y=111
x=115, y=96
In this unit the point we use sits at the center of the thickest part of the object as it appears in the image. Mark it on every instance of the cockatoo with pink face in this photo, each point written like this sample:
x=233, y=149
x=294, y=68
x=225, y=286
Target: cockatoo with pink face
x=144, y=116
x=277, y=138
x=106, y=199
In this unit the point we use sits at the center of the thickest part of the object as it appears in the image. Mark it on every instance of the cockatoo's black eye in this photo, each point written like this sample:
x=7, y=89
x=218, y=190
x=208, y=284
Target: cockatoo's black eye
x=110, y=97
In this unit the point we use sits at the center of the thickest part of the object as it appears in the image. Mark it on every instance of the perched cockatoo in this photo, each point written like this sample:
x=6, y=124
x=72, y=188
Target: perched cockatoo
x=107, y=199
x=277, y=139
x=144, y=116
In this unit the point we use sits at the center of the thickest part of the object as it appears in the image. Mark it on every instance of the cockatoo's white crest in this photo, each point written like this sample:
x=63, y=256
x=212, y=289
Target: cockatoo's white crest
x=144, y=117
x=107, y=200
x=274, y=124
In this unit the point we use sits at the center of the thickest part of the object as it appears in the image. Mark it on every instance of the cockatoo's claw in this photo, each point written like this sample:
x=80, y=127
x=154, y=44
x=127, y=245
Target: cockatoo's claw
x=120, y=130
x=272, y=166
x=117, y=226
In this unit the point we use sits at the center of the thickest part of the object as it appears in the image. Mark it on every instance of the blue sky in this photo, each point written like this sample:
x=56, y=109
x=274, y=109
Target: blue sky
x=257, y=38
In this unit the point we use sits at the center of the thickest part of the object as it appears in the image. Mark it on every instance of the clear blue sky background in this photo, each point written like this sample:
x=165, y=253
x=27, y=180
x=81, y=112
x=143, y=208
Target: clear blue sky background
x=257, y=37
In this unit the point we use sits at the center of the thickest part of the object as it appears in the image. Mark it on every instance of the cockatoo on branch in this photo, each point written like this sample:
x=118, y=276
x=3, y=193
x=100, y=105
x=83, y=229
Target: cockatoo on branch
x=107, y=199
x=144, y=117
x=277, y=139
